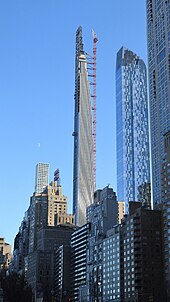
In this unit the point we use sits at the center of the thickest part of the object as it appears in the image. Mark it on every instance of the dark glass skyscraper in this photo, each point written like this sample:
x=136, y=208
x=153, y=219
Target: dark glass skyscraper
x=83, y=139
x=158, y=30
x=133, y=167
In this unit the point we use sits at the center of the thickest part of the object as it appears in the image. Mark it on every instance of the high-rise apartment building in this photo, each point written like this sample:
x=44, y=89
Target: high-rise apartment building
x=57, y=206
x=46, y=226
x=111, y=273
x=158, y=32
x=144, y=194
x=5, y=254
x=102, y=216
x=166, y=209
x=79, y=241
x=48, y=208
x=41, y=177
x=142, y=255
x=40, y=264
x=103, y=213
x=83, y=139
x=21, y=245
x=133, y=167
x=62, y=286
x=38, y=217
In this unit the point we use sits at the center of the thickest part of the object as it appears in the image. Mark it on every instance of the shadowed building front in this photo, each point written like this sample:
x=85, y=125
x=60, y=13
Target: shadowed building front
x=158, y=34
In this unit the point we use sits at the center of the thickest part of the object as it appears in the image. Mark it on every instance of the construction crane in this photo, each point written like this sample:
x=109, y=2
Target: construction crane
x=95, y=40
x=91, y=66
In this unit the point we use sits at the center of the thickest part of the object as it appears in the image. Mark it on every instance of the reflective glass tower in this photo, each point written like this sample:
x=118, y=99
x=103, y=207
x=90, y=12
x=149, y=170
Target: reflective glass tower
x=83, y=139
x=133, y=167
x=158, y=33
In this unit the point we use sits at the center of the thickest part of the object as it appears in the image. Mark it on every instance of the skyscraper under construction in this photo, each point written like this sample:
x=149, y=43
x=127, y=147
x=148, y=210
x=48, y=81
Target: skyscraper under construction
x=83, y=186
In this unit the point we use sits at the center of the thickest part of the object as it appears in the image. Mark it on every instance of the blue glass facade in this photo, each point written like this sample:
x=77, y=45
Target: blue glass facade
x=158, y=32
x=133, y=166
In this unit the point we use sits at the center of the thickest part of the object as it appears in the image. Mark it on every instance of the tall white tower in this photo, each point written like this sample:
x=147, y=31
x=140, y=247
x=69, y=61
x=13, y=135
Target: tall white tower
x=83, y=137
x=41, y=177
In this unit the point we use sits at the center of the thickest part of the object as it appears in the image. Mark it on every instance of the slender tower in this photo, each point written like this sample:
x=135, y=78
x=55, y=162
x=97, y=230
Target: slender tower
x=41, y=177
x=133, y=167
x=83, y=138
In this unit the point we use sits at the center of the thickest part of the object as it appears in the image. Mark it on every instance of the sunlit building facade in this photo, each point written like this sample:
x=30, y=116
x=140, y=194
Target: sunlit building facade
x=121, y=210
x=83, y=139
x=133, y=167
x=48, y=208
x=5, y=254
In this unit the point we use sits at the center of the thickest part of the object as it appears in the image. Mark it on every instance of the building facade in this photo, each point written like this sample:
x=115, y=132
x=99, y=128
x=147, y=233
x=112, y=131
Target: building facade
x=111, y=290
x=79, y=240
x=45, y=227
x=57, y=206
x=38, y=217
x=166, y=209
x=40, y=265
x=5, y=254
x=83, y=139
x=21, y=245
x=125, y=263
x=48, y=208
x=121, y=210
x=158, y=35
x=41, y=177
x=62, y=284
x=142, y=255
x=102, y=215
x=144, y=194
x=133, y=167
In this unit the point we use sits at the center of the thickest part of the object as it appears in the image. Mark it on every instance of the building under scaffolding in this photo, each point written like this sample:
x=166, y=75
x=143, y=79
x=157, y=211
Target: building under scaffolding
x=84, y=169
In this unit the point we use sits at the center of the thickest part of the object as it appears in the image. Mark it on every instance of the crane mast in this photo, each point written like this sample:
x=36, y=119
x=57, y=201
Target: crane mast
x=95, y=40
x=91, y=66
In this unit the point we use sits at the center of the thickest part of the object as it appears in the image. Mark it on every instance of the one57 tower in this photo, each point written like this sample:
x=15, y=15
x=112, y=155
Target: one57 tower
x=133, y=167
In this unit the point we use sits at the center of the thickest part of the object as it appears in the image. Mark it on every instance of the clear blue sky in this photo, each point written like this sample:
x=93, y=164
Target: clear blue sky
x=37, y=51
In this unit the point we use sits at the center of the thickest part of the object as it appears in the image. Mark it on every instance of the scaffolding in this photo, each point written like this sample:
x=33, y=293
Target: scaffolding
x=95, y=40
x=91, y=67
